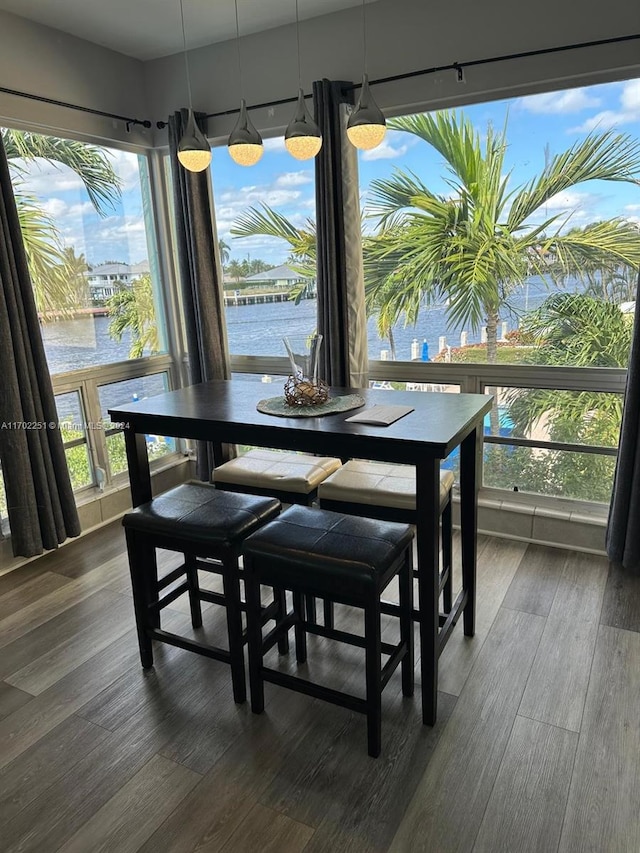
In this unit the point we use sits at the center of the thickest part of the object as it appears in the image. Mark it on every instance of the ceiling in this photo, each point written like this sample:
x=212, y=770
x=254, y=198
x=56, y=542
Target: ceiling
x=147, y=29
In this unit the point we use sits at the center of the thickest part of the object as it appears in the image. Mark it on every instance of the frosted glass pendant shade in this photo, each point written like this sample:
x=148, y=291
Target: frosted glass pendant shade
x=245, y=143
x=366, y=126
x=194, y=152
x=302, y=137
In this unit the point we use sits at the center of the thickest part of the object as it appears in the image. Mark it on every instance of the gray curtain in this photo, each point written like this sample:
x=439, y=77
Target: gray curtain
x=342, y=319
x=623, y=530
x=202, y=293
x=41, y=507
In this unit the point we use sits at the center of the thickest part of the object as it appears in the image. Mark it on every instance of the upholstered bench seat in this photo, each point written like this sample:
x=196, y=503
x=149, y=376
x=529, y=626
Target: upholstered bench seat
x=272, y=472
x=378, y=484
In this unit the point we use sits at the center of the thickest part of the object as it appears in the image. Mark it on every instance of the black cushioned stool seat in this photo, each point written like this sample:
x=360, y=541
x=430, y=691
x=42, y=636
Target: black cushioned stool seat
x=344, y=559
x=199, y=521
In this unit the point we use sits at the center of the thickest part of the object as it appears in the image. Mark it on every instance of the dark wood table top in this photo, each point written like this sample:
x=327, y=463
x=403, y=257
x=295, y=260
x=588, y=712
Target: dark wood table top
x=226, y=411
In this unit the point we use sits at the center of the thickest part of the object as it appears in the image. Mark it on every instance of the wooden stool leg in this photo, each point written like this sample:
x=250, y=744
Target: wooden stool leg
x=137, y=551
x=328, y=613
x=280, y=595
x=373, y=668
x=194, y=590
x=231, y=585
x=310, y=604
x=299, y=629
x=254, y=631
x=447, y=557
x=406, y=621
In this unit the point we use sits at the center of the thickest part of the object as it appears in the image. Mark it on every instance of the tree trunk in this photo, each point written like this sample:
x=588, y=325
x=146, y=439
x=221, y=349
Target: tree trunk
x=392, y=343
x=492, y=358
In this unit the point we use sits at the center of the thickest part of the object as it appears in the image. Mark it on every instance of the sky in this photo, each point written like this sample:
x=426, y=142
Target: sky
x=550, y=121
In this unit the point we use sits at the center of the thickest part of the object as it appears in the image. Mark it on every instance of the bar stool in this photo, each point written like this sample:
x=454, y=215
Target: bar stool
x=290, y=477
x=293, y=478
x=343, y=559
x=199, y=521
x=388, y=491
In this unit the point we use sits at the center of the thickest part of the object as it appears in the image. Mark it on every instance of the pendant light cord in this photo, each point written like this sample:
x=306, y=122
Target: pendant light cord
x=186, y=57
x=364, y=37
x=298, y=44
x=238, y=51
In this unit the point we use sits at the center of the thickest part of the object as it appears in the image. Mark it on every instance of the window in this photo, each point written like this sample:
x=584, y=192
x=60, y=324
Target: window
x=265, y=219
x=87, y=225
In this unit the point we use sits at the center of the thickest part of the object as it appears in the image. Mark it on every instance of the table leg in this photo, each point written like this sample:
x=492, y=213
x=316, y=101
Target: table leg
x=427, y=539
x=138, y=462
x=470, y=478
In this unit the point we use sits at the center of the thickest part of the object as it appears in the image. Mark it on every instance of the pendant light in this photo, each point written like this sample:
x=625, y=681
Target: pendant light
x=302, y=137
x=194, y=152
x=366, y=126
x=245, y=143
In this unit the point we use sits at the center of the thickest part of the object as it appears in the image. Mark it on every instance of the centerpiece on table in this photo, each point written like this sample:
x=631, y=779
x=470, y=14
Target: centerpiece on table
x=303, y=387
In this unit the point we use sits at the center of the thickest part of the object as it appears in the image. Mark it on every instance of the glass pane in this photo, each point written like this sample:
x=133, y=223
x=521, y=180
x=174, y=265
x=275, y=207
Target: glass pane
x=264, y=275
x=127, y=391
x=485, y=238
x=72, y=428
x=87, y=223
x=574, y=417
x=388, y=385
x=583, y=476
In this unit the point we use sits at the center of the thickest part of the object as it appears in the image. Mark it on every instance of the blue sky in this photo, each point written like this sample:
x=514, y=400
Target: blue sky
x=553, y=119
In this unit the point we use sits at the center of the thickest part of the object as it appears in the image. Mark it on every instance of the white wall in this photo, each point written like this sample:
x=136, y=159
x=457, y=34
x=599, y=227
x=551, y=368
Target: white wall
x=405, y=35
x=43, y=61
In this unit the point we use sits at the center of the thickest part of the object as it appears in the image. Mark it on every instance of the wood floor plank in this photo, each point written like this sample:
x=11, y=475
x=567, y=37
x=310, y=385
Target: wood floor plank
x=98, y=547
x=27, y=593
x=379, y=792
x=621, y=605
x=126, y=821
x=209, y=816
x=24, y=727
x=49, y=759
x=467, y=757
x=581, y=587
x=23, y=574
x=266, y=830
x=52, y=819
x=526, y=807
x=49, y=606
x=559, y=678
x=112, y=621
x=11, y=699
x=497, y=563
x=602, y=810
x=534, y=585
x=54, y=632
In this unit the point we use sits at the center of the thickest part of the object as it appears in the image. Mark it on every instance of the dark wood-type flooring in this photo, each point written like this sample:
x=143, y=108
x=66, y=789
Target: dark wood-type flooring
x=537, y=746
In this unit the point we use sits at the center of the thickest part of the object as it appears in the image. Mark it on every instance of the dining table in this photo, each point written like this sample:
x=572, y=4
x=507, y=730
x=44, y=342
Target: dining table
x=439, y=425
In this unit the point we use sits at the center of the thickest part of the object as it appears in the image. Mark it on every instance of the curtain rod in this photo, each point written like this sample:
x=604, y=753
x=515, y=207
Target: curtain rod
x=129, y=122
x=453, y=66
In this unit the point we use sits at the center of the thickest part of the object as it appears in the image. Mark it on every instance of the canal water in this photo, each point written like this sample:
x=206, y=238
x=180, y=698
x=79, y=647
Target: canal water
x=259, y=329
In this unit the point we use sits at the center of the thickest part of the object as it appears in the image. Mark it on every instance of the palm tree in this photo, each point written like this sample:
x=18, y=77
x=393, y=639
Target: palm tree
x=225, y=251
x=52, y=277
x=133, y=308
x=472, y=246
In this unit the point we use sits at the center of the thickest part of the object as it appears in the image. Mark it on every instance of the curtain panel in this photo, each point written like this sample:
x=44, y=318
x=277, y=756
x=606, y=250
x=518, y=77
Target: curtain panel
x=342, y=319
x=623, y=539
x=200, y=279
x=41, y=506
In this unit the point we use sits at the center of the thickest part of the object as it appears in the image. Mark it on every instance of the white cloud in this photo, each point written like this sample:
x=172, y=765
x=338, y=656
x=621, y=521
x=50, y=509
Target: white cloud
x=386, y=151
x=632, y=207
x=55, y=207
x=568, y=200
x=571, y=101
x=628, y=112
x=294, y=179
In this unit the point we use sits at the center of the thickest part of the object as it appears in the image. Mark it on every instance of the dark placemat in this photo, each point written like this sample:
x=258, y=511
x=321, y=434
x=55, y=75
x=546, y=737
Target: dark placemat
x=280, y=408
